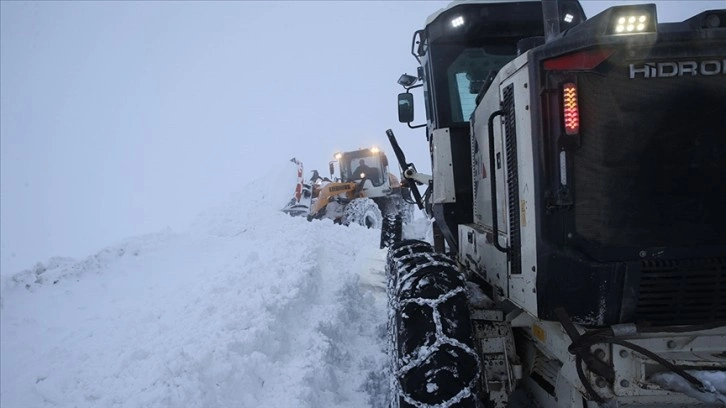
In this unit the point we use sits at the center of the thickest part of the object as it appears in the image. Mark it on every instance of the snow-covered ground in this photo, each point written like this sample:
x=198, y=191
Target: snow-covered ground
x=248, y=308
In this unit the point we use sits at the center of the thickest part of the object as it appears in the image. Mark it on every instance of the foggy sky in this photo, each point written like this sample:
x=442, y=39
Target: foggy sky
x=123, y=118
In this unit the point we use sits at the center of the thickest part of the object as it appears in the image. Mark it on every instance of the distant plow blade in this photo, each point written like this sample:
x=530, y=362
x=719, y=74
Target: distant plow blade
x=300, y=207
x=301, y=201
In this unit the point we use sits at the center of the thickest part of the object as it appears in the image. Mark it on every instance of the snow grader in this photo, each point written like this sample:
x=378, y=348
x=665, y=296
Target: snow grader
x=360, y=190
x=579, y=189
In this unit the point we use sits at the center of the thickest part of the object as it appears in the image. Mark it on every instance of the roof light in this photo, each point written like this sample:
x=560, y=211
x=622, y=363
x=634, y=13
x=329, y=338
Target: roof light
x=633, y=23
x=338, y=156
x=570, y=109
x=457, y=22
x=374, y=149
x=629, y=20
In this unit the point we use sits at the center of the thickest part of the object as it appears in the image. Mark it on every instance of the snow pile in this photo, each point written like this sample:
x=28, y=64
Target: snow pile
x=253, y=207
x=713, y=381
x=249, y=308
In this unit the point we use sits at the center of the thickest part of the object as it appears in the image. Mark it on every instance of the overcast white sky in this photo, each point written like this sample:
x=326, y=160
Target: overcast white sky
x=121, y=118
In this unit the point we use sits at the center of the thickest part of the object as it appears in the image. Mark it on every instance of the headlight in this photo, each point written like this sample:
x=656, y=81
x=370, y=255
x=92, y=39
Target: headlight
x=631, y=24
x=633, y=20
x=457, y=22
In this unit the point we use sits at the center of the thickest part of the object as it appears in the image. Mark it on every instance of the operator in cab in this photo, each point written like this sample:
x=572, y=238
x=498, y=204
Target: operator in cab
x=363, y=170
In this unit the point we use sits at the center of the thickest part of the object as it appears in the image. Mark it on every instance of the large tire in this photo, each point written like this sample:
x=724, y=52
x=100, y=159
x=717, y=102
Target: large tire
x=363, y=211
x=402, y=250
x=392, y=230
x=396, y=205
x=405, y=210
x=433, y=360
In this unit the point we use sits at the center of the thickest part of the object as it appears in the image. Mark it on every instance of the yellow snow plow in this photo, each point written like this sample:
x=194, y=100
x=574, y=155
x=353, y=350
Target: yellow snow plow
x=360, y=190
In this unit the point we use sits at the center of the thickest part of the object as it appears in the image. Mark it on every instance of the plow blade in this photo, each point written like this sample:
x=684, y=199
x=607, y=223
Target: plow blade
x=301, y=201
x=300, y=204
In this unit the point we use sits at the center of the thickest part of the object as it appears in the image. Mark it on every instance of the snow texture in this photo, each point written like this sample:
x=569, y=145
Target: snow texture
x=714, y=383
x=248, y=308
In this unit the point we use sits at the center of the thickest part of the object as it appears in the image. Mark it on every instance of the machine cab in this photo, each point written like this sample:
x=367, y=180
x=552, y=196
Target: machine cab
x=460, y=51
x=362, y=164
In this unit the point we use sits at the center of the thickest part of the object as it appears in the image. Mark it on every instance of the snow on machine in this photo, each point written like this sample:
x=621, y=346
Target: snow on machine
x=361, y=190
x=579, y=193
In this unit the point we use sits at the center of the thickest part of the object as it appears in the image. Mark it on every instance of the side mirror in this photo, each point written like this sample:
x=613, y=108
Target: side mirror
x=405, y=107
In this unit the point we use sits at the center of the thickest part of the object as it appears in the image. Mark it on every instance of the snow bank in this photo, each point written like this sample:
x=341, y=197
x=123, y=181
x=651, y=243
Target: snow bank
x=248, y=308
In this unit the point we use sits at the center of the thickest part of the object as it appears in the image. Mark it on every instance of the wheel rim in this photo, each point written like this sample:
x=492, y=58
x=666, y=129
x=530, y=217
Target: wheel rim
x=369, y=221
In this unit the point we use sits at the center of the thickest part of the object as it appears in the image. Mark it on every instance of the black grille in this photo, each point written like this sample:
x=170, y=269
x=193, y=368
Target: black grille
x=651, y=171
x=510, y=131
x=682, y=292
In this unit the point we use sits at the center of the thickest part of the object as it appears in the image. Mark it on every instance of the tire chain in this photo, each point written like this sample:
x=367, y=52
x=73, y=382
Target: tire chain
x=429, y=282
x=355, y=212
x=391, y=231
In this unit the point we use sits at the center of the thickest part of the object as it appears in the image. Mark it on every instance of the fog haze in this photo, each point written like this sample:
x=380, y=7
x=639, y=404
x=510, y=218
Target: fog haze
x=122, y=118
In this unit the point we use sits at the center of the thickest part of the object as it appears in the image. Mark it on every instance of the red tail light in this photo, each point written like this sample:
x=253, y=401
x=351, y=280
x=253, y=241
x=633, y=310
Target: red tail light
x=570, y=109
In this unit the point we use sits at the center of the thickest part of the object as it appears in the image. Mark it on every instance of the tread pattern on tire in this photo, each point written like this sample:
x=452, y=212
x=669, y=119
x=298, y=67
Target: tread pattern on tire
x=364, y=212
x=392, y=230
x=434, y=363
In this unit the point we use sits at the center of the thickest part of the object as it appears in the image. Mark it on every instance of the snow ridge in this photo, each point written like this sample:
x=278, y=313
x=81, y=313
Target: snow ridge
x=247, y=308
